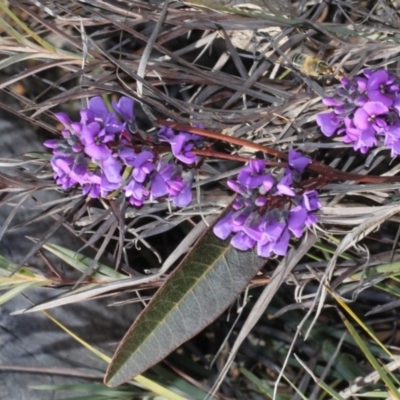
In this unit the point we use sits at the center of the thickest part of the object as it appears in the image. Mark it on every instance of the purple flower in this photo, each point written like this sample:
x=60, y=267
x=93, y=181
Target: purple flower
x=111, y=172
x=166, y=179
x=310, y=200
x=252, y=176
x=380, y=87
x=242, y=241
x=99, y=112
x=223, y=228
x=266, y=218
x=328, y=122
x=297, y=161
x=368, y=105
x=284, y=186
x=332, y=101
x=272, y=233
x=95, y=140
x=143, y=165
x=184, y=197
x=366, y=140
x=297, y=220
x=366, y=117
x=182, y=144
x=93, y=152
x=124, y=108
x=136, y=192
x=127, y=155
x=392, y=138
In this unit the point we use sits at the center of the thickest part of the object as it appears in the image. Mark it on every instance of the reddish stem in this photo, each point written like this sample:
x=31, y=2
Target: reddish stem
x=329, y=173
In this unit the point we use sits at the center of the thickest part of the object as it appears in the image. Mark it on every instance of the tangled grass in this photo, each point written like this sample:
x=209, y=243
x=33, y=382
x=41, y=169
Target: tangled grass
x=326, y=322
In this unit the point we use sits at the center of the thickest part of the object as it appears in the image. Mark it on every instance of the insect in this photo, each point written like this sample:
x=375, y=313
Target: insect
x=311, y=65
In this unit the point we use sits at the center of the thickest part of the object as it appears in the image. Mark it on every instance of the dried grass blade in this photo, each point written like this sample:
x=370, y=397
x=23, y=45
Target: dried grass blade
x=146, y=383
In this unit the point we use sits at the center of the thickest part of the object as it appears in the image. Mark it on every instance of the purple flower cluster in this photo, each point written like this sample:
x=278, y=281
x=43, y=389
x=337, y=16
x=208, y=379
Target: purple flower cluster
x=101, y=155
x=266, y=212
x=366, y=110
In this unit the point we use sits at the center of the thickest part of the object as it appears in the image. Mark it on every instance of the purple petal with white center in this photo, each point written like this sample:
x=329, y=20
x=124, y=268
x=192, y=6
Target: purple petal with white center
x=378, y=78
x=90, y=133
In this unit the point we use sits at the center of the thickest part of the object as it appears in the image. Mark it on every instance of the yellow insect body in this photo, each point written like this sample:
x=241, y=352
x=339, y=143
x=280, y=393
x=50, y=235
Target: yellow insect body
x=311, y=65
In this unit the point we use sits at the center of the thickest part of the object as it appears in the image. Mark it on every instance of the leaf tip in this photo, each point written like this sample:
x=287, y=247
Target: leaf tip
x=112, y=378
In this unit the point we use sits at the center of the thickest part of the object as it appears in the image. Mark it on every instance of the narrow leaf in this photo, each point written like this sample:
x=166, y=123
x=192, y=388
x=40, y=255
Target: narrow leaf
x=81, y=262
x=207, y=281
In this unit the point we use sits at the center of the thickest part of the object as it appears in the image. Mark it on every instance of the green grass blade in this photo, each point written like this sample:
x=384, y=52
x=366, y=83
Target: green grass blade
x=370, y=357
x=154, y=387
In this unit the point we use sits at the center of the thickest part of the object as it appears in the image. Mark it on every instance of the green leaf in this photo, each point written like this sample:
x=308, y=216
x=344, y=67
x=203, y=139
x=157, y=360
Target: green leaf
x=81, y=262
x=207, y=281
